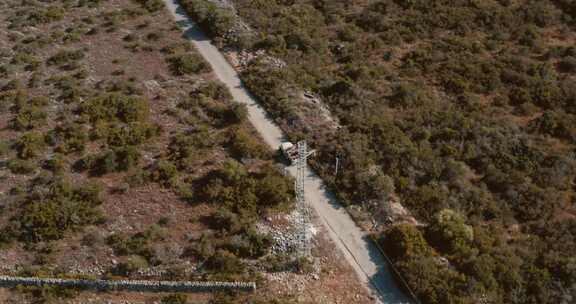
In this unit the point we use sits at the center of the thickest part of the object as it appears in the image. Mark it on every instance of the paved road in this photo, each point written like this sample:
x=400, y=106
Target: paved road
x=359, y=251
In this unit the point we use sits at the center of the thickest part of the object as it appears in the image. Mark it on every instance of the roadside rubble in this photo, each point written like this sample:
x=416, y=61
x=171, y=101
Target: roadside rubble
x=285, y=236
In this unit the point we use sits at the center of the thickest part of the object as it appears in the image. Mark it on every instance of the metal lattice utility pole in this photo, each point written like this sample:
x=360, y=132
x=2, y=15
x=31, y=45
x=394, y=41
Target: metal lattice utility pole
x=302, y=206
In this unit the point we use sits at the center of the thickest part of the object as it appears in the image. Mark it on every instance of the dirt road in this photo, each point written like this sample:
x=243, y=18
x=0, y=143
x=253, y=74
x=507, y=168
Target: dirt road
x=360, y=252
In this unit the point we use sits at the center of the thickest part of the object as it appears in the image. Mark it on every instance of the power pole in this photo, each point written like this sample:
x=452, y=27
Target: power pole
x=303, y=233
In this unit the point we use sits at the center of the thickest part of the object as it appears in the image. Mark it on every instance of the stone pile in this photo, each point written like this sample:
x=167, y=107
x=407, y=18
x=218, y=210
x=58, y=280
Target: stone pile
x=286, y=239
x=129, y=285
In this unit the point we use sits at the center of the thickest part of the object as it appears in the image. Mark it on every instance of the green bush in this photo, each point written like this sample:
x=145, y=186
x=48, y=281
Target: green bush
x=30, y=61
x=449, y=232
x=37, y=16
x=216, y=21
x=273, y=188
x=49, y=294
x=115, y=160
x=405, y=241
x=112, y=107
x=89, y=3
x=151, y=5
x=174, y=299
x=225, y=262
x=29, y=117
x=66, y=57
x=410, y=95
x=70, y=138
x=213, y=90
x=184, y=149
x=137, y=244
x=134, y=133
x=56, y=164
x=270, y=87
x=165, y=172
x=129, y=267
x=245, y=145
x=568, y=64
x=557, y=124
x=64, y=208
x=4, y=148
x=30, y=145
x=188, y=64
x=20, y=166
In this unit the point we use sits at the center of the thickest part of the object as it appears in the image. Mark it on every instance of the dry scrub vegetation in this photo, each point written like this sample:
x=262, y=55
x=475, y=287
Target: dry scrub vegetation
x=462, y=110
x=121, y=156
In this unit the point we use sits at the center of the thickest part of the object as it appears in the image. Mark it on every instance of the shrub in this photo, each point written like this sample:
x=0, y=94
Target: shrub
x=174, y=299
x=410, y=95
x=213, y=90
x=49, y=294
x=270, y=88
x=130, y=266
x=134, y=133
x=115, y=107
x=56, y=164
x=36, y=16
x=30, y=145
x=273, y=188
x=151, y=5
x=187, y=64
x=66, y=57
x=304, y=265
x=225, y=262
x=4, y=148
x=216, y=21
x=449, y=232
x=427, y=200
x=64, y=208
x=30, y=61
x=222, y=114
x=405, y=241
x=246, y=145
x=70, y=138
x=28, y=118
x=19, y=166
x=165, y=173
x=89, y=3
x=557, y=124
x=115, y=160
x=568, y=65
x=137, y=244
x=184, y=149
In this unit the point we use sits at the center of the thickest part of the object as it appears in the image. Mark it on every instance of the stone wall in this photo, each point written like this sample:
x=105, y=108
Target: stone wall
x=129, y=285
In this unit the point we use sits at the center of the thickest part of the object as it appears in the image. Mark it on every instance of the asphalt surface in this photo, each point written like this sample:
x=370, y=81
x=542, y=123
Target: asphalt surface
x=359, y=251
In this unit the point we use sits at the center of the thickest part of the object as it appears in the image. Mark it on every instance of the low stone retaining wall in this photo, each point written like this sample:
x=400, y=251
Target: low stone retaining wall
x=129, y=285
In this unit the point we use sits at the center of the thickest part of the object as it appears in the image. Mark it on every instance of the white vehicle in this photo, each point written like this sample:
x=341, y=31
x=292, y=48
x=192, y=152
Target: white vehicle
x=290, y=151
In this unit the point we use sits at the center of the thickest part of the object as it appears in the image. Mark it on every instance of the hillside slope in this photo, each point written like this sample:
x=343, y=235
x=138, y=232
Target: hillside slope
x=463, y=111
x=122, y=156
